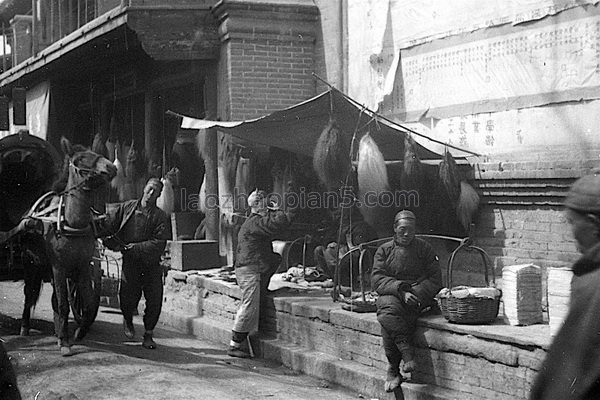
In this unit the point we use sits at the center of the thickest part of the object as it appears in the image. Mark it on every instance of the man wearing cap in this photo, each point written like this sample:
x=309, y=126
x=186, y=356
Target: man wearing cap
x=141, y=233
x=255, y=264
x=406, y=275
x=572, y=368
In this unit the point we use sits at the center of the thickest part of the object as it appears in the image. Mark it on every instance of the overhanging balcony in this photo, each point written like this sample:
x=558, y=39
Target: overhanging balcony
x=166, y=30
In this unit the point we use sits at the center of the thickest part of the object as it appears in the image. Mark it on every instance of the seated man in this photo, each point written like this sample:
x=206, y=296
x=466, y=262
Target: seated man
x=406, y=275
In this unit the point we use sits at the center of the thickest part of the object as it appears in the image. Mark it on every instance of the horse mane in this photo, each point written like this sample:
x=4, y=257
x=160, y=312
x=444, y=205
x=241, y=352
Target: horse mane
x=60, y=184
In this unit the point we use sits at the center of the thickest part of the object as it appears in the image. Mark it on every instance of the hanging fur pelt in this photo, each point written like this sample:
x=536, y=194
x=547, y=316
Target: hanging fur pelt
x=202, y=197
x=229, y=155
x=111, y=145
x=450, y=177
x=242, y=182
x=468, y=203
x=200, y=143
x=134, y=175
x=282, y=176
x=134, y=167
x=98, y=145
x=372, y=178
x=119, y=181
x=331, y=159
x=166, y=200
x=412, y=173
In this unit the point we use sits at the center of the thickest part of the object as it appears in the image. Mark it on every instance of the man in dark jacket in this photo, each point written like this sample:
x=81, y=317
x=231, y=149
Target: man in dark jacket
x=142, y=230
x=406, y=275
x=571, y=371
x=255, y=264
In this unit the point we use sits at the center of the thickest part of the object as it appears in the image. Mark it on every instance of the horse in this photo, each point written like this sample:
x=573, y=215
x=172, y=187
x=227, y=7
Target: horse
x=68, y=240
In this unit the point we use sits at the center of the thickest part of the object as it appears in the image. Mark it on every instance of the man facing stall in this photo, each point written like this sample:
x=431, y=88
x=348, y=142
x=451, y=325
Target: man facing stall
x=255, y=264
x=406, y=275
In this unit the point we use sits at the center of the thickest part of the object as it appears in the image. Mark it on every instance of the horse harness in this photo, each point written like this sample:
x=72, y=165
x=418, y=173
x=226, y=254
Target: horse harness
x=54, y=214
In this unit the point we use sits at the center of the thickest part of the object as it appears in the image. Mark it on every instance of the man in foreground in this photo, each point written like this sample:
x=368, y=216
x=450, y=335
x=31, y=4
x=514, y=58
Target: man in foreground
x=406, y=275
x=571, y=371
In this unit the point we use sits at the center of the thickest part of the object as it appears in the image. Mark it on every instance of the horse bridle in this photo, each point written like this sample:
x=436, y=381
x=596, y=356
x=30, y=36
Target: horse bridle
x=86, y=173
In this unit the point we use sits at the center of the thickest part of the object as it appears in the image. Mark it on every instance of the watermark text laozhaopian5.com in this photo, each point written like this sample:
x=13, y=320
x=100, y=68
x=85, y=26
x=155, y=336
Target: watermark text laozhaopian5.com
x=305, y=199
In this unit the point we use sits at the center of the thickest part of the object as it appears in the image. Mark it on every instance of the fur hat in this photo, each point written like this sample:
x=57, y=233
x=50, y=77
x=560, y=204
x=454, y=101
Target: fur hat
x=584, y=195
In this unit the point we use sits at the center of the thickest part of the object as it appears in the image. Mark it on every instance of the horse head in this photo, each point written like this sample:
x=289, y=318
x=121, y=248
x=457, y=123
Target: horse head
x=87, y=169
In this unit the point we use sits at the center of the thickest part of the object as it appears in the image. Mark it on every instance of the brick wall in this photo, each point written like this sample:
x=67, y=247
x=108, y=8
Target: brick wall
x=521, y=218
x=519, y=234
x=268, y=73
x=267, y=57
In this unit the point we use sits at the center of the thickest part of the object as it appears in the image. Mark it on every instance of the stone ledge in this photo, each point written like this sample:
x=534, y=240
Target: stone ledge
x=499, y=360
x=347, y=373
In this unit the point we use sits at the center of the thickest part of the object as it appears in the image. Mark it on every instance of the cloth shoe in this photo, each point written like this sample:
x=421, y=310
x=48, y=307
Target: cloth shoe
x=65, y=348
x=236, y=351
x=128, y=328
x=148, y=342
x=409, y=366
x=392, y=381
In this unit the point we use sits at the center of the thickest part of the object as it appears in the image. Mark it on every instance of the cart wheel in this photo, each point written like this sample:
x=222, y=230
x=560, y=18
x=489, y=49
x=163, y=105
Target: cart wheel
x=75, y=297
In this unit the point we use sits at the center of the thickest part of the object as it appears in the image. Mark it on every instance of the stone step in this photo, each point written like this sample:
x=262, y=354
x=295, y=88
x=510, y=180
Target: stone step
x=368, y=381
x=490, y=361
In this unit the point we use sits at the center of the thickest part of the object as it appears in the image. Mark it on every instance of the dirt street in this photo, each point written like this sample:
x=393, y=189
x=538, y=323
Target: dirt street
x=108, y=366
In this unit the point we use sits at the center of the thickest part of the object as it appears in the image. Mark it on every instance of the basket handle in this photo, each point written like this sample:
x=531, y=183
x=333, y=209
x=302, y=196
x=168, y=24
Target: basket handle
x=466, y=244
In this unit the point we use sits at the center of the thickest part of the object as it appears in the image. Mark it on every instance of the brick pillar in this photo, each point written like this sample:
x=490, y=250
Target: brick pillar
x=266, y=62
x=267, y=55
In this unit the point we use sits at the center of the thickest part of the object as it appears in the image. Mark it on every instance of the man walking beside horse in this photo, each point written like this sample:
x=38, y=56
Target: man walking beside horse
x=141, y=233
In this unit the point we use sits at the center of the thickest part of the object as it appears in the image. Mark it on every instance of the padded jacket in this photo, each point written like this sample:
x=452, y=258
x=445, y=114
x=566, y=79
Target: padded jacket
x=255, y=236
x=149, y=243
x=414, y=268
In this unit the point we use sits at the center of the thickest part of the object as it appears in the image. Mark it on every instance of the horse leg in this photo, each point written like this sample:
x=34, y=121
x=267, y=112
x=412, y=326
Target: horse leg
x=33, y=277
x=32, y=292
x=84, y=286
x=60, y=306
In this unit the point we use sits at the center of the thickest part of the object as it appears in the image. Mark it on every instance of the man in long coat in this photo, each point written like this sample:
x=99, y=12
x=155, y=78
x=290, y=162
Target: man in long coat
x=406, y=275
x=571, y=371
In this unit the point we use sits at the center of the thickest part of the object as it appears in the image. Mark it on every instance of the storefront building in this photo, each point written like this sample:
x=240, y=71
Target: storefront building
x=516, y=85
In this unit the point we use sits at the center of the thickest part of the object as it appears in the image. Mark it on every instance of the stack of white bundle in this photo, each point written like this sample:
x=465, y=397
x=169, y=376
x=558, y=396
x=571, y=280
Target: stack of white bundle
x=522, y=294
x=559, y=292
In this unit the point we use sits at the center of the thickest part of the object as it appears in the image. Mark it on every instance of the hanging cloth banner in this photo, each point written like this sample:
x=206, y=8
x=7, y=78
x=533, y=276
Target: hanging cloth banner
x=38, y=106
x=379, y=33
x=553, y=63
x=429, y=20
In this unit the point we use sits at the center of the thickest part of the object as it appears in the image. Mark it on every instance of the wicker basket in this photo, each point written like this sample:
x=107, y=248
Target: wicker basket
x=470, y=309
